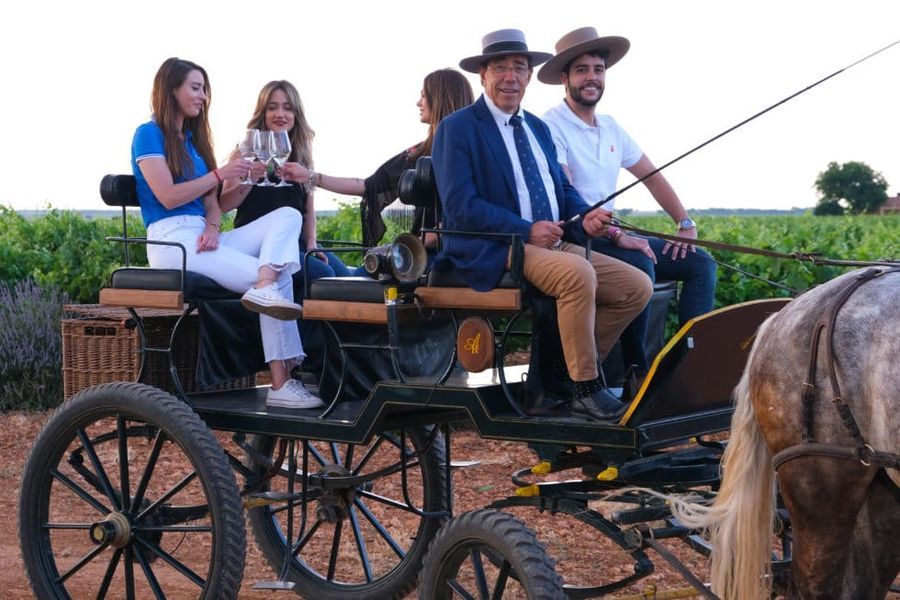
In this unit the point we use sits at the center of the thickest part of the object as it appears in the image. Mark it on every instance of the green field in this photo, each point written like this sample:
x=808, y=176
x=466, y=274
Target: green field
x=60, y=256
x=66, y=250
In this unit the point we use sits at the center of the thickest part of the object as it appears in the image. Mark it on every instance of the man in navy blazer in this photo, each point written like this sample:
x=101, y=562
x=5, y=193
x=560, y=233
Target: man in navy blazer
x=493, y=180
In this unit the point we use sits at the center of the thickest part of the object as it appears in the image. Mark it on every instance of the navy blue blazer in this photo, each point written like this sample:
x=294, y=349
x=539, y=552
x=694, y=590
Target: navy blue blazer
x=477, y=188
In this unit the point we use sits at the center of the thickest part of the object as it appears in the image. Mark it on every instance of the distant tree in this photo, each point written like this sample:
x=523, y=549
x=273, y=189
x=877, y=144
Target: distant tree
x=828, y=208
x=856, y=183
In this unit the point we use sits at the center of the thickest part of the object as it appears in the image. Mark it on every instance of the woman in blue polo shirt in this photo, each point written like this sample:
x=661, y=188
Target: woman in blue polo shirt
x=177, y=187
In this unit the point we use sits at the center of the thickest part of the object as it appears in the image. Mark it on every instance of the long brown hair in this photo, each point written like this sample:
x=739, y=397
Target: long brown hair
x=169, y=77
x=446, y=91
x=301, y=133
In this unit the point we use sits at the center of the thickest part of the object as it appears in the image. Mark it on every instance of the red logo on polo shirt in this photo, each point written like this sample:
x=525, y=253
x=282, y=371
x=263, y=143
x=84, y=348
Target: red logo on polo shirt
x=612, y=148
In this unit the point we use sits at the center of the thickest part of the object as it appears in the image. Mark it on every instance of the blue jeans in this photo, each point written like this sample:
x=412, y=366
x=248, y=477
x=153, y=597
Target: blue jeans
x=317, y=269
x=696, y=272
x=311, y=331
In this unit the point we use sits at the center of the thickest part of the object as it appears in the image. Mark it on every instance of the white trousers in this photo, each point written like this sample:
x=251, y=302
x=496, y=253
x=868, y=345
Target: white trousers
x=270, y=240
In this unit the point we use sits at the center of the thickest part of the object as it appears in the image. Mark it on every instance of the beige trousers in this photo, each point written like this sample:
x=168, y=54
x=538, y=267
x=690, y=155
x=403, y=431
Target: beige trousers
x=599, y=297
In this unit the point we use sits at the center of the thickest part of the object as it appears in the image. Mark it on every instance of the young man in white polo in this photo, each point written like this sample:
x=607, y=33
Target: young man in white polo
x=592, y=148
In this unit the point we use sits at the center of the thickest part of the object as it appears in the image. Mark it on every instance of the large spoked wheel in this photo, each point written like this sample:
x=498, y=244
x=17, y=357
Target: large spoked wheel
x=127, y=494
x=364, y=536
x=488, y=554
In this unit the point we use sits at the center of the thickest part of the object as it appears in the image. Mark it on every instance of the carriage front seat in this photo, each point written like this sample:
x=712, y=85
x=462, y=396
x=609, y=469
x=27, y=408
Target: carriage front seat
x=362, y=299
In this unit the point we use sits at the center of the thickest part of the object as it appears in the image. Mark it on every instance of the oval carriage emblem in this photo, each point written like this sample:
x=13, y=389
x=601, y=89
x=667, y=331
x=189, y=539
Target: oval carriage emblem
x=475, y=344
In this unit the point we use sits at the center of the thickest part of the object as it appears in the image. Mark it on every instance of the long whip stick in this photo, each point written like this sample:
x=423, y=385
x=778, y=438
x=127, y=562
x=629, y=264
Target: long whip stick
x=727, y=131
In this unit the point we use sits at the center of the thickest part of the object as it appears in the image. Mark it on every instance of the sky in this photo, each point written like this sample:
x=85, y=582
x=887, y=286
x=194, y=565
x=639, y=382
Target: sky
x=77, y=80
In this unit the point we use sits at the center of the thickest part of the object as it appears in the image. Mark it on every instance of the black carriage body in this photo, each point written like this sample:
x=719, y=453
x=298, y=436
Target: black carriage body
x=391, y=378
x=687, y=392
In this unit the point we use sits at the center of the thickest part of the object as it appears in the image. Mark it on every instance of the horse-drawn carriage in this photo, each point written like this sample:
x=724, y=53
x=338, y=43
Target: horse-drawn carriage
x=131, y=491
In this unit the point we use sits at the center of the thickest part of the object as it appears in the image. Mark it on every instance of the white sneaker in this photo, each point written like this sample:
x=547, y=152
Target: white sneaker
x=269, y=301
x=293, y=395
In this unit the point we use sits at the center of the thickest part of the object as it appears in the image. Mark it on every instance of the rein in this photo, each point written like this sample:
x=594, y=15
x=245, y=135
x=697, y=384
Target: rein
x=823, y=336
x=812, y=257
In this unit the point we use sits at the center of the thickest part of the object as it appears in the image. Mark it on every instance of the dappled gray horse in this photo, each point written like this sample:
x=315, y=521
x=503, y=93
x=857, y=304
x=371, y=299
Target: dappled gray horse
x=845, y=514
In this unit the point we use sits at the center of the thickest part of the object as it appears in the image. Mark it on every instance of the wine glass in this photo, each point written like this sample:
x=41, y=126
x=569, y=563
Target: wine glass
x=281, y=150
x=247, y=148
x=264, y=154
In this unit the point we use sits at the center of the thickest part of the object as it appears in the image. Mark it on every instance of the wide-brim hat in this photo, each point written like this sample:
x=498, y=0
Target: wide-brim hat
x=502, y=43
x=574, y=44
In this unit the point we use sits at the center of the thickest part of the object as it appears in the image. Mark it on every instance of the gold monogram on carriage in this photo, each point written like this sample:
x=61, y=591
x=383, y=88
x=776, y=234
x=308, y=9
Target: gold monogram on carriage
x=473, y=344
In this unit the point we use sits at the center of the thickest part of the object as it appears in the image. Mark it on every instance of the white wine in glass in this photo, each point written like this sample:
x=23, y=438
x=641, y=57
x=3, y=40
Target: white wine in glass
x=281, y=151
x=264, y=154
x=247, y=148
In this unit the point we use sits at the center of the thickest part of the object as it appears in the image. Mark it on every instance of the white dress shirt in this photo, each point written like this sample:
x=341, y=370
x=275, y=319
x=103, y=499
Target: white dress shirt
x=506, y=131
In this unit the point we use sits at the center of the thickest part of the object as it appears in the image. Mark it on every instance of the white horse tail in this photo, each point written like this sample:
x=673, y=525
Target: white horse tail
x=739, y=523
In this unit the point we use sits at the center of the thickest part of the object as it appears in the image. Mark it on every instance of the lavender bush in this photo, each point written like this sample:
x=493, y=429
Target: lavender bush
x=30, y=346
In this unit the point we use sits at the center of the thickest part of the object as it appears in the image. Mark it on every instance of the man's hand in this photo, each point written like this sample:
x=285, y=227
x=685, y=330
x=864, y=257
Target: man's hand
x=630, y=242
x=595, y=221
x=680, y=249
x=545, y=234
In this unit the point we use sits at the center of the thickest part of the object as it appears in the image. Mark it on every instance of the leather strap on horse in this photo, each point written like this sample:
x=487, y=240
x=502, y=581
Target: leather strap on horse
x=862, y=451
x=866, y=455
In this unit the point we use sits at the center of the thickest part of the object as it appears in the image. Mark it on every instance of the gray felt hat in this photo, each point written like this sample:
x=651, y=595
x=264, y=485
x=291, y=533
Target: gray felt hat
x=502, y=43
x=574, y=44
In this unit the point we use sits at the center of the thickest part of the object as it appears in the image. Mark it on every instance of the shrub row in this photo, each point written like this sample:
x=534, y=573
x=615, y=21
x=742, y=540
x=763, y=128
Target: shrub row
x=67, y=251
x=62, y=256
x=30, y=347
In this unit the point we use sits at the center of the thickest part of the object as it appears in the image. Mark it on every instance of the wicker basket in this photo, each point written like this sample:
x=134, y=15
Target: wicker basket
x=101, y=344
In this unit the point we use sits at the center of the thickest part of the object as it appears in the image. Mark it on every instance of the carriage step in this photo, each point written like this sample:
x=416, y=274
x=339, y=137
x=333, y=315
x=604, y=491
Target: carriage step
x=274, y=585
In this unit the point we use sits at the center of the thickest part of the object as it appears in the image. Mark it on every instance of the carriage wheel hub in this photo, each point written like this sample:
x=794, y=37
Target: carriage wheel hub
x=334, y=504
x=114, y=530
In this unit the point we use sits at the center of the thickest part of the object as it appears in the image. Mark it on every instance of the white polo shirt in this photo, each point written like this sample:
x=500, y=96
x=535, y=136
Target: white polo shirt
x=506, y=132
x=593, y=154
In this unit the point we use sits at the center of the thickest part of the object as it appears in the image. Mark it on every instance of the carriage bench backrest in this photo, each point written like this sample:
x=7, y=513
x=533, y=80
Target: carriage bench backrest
x=144, y=287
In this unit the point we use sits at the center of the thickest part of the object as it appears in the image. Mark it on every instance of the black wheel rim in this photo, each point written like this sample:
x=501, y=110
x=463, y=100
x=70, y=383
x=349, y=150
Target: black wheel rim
x=121, y=512
x=362, y=534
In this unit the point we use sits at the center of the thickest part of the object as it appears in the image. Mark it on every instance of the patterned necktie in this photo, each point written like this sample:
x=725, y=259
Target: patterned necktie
x=540, y=202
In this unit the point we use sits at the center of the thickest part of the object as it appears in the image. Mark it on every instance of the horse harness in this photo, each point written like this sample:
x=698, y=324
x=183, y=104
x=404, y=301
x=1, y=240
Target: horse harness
x=862, y=451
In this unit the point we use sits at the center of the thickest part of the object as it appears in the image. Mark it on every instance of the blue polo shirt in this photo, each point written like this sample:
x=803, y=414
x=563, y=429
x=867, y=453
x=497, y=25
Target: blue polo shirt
x=148, y=142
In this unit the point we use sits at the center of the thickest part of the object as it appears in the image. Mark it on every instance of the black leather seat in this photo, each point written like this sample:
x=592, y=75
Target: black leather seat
x=347, y=289
x=196, y=286
x=453, y=278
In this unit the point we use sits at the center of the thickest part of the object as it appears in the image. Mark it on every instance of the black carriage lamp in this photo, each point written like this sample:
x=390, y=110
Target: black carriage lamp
x=403, y=261
x=406, y=259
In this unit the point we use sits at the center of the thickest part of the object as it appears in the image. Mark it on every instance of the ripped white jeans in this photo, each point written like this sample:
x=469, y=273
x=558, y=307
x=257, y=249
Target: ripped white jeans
x=270, y=240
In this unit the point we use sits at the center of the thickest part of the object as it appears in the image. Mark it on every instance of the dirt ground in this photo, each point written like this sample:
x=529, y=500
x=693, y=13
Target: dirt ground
x=579, y=553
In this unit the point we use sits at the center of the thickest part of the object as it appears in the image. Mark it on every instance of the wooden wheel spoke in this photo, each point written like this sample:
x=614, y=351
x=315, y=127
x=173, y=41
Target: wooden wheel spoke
x=99, y=471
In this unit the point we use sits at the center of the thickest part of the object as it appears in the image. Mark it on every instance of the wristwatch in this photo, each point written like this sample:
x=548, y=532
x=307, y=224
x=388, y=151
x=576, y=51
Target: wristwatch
x=687, y=223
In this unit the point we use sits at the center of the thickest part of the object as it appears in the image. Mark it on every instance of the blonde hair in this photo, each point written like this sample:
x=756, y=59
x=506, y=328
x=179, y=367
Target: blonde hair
x=301, y=133
x=740, y=521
